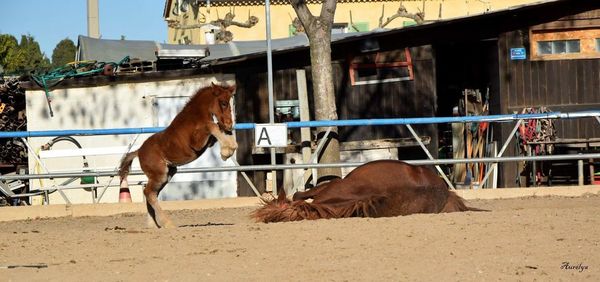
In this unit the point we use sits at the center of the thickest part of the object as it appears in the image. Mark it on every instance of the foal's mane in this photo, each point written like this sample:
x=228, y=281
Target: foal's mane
x=197, y=98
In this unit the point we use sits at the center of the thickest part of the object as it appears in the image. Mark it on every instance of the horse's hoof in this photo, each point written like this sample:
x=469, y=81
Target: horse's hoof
x=226, y=154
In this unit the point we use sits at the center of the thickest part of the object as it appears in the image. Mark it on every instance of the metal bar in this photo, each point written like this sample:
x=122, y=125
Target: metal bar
x=101, y=173
x=247, y=179
x=318, y=123
x=580, y=172
x=37, y=159
x=270, y=89
x=495, y=164
x=439, y=169
x=82, y=186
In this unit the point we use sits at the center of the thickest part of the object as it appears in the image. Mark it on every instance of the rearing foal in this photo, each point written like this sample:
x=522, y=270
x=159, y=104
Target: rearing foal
x=205, y=119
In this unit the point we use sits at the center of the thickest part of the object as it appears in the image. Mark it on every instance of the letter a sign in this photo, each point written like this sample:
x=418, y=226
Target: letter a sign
x=270, y=135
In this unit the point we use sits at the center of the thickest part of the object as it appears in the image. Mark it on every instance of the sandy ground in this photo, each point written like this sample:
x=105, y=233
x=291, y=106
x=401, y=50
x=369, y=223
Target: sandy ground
x=525, y=239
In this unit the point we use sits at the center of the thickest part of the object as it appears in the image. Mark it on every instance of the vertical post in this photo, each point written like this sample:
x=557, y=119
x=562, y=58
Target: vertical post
x=93, y=28
x=270, y=87
x=304, y=116
x=580, y=172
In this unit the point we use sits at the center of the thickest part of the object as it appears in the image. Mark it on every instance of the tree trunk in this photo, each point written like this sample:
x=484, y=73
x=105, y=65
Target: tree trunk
x=324, y=99
x=318, y=30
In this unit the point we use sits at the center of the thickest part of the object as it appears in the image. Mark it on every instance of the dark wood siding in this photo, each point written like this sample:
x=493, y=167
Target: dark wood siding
x=415, y=98
x=560, y=85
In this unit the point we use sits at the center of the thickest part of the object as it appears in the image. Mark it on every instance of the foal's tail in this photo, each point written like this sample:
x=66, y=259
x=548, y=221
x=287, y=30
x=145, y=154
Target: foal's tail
x=126, y=164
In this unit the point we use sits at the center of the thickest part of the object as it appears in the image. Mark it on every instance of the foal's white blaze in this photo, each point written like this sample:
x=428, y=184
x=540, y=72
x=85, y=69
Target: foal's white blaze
x=231, y=105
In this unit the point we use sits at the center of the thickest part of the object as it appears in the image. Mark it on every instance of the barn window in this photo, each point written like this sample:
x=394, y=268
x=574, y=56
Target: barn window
x=558, y=47
x=381, y=67
x=566, y=39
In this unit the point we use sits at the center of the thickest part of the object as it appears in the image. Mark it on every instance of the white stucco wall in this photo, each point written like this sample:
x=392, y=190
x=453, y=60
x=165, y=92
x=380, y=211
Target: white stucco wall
x=144, y=104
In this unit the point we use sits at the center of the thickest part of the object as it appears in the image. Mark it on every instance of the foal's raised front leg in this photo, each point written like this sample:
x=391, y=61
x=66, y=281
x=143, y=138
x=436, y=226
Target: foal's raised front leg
x=227, y=142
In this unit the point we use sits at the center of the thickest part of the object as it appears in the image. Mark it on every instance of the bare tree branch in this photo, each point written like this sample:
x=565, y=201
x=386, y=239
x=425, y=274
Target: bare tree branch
x=354, y=26
x=303, y=12
x=252, y=21
x=382, y=13
x=224, y=23
x=223, y=35
x=403, y=13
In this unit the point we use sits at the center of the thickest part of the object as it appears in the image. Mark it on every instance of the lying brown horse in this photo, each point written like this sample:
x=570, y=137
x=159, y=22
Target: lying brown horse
x=205, y=119
x=376, y=189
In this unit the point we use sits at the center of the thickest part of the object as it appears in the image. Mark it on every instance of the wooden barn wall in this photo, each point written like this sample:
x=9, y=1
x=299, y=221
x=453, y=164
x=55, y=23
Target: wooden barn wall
x=387, y=100
x=560, y=85
x=402, y=99
x=252, y=106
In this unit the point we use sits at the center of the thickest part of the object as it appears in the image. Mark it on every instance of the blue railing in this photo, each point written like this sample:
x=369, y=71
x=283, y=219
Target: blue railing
x=318, y=123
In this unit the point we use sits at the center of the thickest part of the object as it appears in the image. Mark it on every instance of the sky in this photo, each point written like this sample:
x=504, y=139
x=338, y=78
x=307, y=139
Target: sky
x=50, y=21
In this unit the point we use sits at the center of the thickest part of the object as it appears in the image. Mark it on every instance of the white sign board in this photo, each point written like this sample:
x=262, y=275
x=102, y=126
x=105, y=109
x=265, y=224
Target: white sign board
x=270, y=135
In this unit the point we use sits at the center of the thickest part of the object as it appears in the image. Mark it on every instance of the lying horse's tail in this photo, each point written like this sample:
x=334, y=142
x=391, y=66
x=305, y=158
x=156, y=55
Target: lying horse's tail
x=455, y=203
x=126, y=164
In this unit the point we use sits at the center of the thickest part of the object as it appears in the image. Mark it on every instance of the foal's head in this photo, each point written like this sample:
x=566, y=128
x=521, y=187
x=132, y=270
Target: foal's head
x=221, y=108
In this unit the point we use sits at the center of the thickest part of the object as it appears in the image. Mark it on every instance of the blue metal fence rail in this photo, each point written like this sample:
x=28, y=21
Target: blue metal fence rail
x=318, y=123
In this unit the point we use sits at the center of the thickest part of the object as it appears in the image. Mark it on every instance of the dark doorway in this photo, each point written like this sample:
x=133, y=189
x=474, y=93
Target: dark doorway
x=461, y=66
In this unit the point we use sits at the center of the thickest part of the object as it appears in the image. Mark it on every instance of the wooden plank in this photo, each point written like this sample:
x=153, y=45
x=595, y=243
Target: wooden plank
x=553, y=83
x=527, y=92
x=595, y=95
x=544, y=82
x=535, y=81
x=518, y=81
x=565, y=82
x=589, y=81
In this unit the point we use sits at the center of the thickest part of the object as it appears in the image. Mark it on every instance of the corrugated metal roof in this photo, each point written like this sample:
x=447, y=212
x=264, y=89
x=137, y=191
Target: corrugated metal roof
x=107, y=50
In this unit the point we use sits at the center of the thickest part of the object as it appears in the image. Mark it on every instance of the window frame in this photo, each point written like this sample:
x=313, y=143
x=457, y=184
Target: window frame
x=553, y=45
x=587, y=37
x=353, y=69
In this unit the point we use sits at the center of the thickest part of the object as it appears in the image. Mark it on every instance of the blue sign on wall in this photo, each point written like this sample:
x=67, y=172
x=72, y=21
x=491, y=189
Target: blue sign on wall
x=518, y=54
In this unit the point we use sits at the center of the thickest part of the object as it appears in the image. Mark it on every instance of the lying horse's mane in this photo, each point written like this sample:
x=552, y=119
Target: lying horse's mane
x=282, y=209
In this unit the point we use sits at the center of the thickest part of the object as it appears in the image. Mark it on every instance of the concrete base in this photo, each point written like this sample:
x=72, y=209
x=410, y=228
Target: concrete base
x=506, y=193
x=49, y=211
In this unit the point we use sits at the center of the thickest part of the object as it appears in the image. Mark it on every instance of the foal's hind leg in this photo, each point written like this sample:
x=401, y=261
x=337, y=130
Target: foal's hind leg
x=158, y=177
